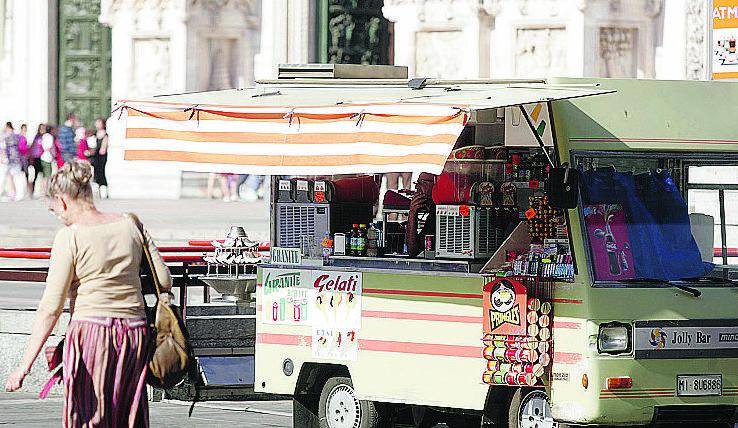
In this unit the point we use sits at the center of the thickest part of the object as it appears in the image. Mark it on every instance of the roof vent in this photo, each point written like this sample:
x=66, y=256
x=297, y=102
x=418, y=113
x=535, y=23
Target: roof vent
x=341, y=71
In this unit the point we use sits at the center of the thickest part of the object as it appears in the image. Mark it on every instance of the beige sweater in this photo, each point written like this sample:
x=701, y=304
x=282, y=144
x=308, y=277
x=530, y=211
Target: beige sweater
x=98, y=267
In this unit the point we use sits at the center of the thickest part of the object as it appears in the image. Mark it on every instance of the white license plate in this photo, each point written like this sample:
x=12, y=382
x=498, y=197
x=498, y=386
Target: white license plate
x=695, y=385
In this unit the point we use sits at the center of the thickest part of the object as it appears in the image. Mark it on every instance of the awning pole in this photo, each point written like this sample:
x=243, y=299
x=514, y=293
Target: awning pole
x=535, y=133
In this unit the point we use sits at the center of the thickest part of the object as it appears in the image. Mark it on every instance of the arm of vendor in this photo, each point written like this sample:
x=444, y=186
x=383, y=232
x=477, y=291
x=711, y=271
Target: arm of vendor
x=421, y=202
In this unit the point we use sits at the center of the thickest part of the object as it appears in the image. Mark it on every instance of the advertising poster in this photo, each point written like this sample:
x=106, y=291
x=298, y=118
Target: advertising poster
x=724, y=35
x=341, y=344
x=504, y=304
x=286, y=296
x=608, y=237
x=336, y=300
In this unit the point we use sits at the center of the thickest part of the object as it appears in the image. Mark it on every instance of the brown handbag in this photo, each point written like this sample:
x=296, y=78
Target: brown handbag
x=171, y=353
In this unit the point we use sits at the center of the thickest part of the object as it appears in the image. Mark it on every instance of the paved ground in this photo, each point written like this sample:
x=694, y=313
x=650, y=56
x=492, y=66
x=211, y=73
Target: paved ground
x=29, y=223
x=27, y=411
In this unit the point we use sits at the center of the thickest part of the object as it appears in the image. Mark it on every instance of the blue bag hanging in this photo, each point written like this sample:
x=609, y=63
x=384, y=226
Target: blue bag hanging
x=674, y=245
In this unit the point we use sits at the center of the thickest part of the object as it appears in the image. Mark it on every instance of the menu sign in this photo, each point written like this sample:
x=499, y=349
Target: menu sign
x=686, y=339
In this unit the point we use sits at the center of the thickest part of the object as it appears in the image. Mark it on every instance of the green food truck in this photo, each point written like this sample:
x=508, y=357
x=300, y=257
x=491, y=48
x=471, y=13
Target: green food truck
x=566, y=255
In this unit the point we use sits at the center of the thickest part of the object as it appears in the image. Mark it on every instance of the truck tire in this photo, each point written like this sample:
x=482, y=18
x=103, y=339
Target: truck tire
x=529, y=408
x=339, y=408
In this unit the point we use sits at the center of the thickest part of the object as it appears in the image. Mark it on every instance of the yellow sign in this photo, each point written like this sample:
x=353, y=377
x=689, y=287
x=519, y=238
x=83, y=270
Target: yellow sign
x=724, y=35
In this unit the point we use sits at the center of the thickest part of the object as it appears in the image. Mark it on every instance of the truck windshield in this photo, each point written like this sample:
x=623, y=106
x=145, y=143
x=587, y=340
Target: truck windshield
x=659, y=217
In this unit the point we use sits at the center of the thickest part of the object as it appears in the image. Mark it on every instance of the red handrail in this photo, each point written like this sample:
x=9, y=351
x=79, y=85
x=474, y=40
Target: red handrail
x=45, y=255
x=162, y=249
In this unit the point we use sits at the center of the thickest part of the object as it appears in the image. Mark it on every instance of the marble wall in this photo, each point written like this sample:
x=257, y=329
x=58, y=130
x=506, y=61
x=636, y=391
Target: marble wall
x=539, y=38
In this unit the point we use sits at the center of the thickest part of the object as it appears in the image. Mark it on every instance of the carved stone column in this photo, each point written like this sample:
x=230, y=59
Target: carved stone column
x=287, y=27
x=696, y=43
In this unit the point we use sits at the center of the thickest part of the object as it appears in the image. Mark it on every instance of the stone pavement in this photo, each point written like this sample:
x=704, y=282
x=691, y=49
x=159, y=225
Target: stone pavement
x=25, y=410
x=29, y=223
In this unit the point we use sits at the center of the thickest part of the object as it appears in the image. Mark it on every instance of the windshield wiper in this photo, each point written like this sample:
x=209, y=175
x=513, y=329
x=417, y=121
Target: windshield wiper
x=691, y=290
x=712, y=280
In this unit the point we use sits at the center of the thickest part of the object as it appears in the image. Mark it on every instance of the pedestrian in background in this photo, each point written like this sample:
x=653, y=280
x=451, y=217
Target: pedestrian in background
x=95, y=261
x=252, y=184
x=66, y=138
x=11, y=166
x=48, y=156
x=23, y=149
x=59, y=159
x=99, y=157
x=34, y=160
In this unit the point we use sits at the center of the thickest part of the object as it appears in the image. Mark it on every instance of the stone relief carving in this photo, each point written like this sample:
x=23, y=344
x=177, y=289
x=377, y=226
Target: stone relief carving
x=221, y=73
x=216, y=8
x=428, y=62
x=617, y=56
x=150, y=66
x=615, y=6
x=523, y=7
x=540, y=52
x=653, y=7
x=695, y=46
x=492, y=7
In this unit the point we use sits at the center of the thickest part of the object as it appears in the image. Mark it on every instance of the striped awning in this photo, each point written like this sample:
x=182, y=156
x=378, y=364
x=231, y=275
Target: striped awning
x=314, y=130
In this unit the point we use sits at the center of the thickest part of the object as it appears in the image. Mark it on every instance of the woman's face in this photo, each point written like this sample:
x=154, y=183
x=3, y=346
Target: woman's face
x=98, y=124
x=58, y=207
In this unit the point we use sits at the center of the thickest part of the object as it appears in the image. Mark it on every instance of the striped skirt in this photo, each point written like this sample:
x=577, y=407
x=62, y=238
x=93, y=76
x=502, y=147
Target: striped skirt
x=105, y=366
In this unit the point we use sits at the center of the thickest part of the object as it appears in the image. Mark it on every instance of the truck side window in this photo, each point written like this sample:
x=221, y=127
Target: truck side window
x=712, y=190
x=636, y=220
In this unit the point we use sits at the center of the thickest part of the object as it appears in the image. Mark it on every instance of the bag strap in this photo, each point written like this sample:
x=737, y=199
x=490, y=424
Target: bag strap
x=147, y=254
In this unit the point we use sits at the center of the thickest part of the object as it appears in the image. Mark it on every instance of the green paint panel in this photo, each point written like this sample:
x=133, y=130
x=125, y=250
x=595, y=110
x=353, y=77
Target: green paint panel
x=649, y=109
x=84, y=62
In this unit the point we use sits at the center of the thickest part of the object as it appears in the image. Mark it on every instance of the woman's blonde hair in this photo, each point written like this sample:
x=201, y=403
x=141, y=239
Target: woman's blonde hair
x=73, y=180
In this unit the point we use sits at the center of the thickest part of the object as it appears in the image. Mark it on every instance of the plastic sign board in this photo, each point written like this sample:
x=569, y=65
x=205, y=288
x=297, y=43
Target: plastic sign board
x=285, y=256
x=724, y=51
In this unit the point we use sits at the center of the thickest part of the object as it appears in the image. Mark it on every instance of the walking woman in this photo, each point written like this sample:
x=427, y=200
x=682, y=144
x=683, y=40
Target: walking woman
x=95, y=262
x=99, y=156
x=34, y=160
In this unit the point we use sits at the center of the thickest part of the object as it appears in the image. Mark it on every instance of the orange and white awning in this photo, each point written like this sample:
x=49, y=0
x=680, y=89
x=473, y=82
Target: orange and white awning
x=312, y=130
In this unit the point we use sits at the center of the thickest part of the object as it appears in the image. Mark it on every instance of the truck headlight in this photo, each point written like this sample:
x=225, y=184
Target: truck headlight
x=613, y=338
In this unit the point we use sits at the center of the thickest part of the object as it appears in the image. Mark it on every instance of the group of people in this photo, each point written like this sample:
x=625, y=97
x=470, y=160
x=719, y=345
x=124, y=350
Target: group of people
x=26, y=163
x=247, y=187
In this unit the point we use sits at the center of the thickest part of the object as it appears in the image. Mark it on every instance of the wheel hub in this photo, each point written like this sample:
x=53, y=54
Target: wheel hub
x=535, y=411
x=342, y=408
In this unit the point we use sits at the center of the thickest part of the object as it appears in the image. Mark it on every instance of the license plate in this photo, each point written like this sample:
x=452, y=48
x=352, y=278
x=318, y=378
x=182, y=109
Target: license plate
x=696, y=385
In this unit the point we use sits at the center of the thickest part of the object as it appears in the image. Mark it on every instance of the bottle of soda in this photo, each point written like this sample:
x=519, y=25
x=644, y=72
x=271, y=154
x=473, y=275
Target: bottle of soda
x=361, y=241
x=353, y=240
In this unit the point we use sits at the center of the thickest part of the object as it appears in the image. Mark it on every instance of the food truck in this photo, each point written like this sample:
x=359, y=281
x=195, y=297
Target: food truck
x=564, y=256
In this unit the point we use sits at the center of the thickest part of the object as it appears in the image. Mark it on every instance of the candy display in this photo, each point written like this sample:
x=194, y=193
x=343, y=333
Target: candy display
x=551, y=259
x=520, y=359
x=543, y=220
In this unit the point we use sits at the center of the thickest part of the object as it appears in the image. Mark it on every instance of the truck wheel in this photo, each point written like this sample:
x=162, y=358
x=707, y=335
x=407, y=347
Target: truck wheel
x=529, y=408
x=339, y=408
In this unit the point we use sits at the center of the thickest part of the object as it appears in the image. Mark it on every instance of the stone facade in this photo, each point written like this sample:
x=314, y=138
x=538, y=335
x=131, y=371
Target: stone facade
x=172, y=46
x=529, y=38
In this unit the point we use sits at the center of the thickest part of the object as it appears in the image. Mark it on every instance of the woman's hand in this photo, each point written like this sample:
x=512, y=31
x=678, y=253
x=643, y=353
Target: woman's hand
x=15, y=380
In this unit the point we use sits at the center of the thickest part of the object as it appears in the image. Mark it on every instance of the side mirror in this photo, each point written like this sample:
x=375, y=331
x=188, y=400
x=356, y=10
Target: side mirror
x=562, y=187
